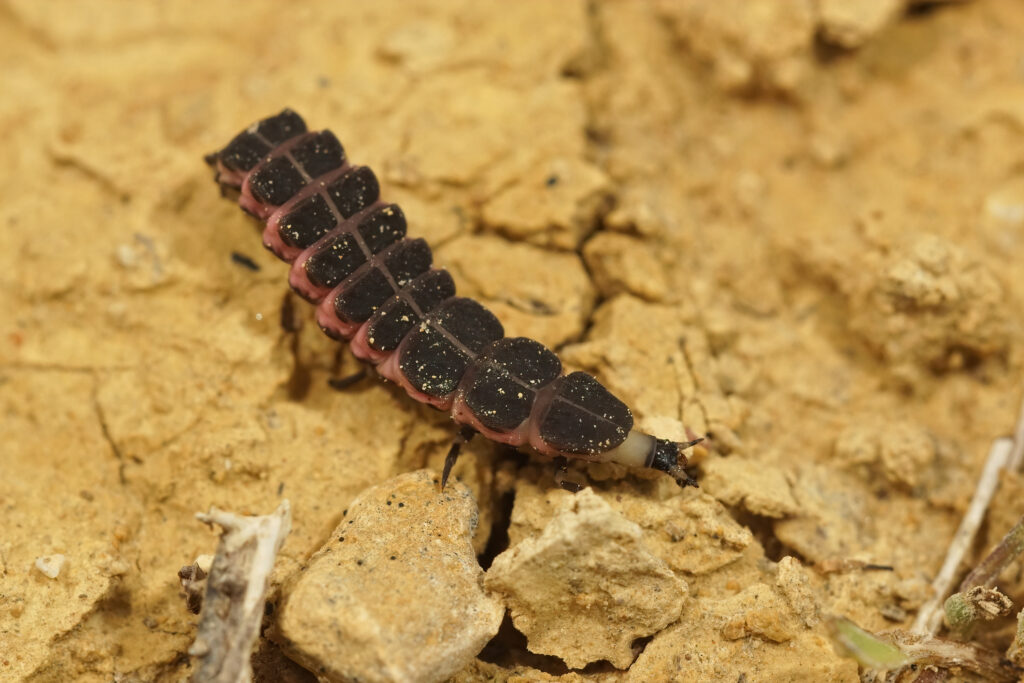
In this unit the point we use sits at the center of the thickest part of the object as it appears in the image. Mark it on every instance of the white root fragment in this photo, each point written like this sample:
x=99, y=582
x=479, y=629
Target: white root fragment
x=929, y=618
x=235, y=588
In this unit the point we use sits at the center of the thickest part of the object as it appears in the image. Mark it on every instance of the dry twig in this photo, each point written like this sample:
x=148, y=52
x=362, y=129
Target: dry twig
x=950, y=654
x=233, y=605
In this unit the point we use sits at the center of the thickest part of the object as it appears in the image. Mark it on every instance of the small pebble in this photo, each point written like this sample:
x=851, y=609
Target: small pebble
x=50, y=565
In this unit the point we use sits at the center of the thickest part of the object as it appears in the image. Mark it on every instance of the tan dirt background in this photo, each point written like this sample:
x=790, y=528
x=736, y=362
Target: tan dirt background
x=793, y=225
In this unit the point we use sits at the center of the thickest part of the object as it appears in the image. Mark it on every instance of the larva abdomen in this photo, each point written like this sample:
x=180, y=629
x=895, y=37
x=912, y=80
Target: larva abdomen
x=501, y=389
x=377, y=288
x=391, y=323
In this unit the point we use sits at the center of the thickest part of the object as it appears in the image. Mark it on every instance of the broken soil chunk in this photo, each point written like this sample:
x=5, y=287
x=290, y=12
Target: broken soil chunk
x=395, y=594
x=587, y=587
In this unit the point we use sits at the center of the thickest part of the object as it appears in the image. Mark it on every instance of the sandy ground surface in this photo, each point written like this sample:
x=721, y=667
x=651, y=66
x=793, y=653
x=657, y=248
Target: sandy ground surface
x=797, y=227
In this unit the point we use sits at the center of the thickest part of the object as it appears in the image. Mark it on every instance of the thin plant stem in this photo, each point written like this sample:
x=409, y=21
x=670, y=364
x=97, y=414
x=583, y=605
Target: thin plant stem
x=929, y=617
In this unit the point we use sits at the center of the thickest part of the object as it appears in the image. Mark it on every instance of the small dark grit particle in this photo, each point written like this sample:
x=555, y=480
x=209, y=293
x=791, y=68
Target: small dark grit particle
x=244, y=261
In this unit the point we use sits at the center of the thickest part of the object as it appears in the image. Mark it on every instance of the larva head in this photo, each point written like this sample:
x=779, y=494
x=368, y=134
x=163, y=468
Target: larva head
x=644, y=450
x=668, y=457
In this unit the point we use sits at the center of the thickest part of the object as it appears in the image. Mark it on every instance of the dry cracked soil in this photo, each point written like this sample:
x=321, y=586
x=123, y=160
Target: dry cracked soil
x=795, y=226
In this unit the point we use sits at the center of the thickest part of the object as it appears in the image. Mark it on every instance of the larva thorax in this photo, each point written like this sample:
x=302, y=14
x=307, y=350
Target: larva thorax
x=377, y=289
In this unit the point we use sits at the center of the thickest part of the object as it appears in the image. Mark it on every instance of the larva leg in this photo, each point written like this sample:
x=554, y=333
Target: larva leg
x=464, y=435
x=342, y=383
x=561, y=476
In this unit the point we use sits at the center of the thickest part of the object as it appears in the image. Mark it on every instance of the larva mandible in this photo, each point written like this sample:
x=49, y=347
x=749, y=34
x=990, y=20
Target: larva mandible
x=377, y=289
